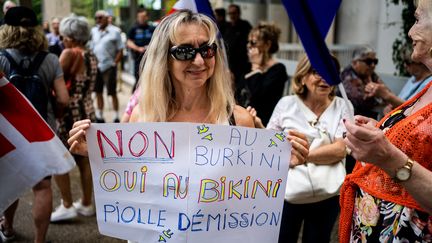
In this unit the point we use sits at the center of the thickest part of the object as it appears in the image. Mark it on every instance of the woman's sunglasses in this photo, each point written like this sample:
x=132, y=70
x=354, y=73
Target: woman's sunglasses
x=315, y=74
x=370, y=61
x=187, y=53
x=253, y=43
x=409, y=62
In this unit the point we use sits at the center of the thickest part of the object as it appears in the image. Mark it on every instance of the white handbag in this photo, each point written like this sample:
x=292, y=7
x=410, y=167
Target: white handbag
x=310, y=182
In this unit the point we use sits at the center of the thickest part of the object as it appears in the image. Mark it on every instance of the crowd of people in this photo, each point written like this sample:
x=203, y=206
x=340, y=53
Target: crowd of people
x=182, y=74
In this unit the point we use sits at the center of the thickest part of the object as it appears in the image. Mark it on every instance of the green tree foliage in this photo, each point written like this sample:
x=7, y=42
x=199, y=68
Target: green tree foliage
x=37, y=7
x=403, y=40
x=83, y=8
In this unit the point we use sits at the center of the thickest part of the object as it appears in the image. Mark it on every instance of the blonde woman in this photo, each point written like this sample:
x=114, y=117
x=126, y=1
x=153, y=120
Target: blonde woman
x=185, y=79
x=312, y=192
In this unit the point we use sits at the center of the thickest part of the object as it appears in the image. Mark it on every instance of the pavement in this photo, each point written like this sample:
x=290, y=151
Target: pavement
x=83, y=229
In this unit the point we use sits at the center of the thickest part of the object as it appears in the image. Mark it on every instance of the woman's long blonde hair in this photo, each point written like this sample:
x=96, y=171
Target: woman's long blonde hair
x=157, y=101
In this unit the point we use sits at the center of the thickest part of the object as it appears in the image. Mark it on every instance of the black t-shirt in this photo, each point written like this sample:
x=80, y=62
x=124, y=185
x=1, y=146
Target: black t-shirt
x=265, y=90
x=140, y=35
x=236, y=37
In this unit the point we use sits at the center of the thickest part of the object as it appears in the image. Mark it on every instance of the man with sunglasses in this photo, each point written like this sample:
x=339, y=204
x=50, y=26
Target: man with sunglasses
x=359, y=80
x=107, y=45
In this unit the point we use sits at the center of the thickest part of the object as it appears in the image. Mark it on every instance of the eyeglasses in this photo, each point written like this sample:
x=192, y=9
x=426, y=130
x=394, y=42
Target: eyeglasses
x=98, y=17
x=252, y=42
x=187, y=53
x=370, y=61
x=408, y=62
x=315, y=74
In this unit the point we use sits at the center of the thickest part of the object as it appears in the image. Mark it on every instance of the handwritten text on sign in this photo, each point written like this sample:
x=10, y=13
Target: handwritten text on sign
x=182, y=182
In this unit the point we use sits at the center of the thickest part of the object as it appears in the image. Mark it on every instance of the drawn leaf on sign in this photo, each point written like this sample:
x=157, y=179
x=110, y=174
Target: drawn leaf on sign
x=280, y=136
x=208, y=137
x=202, y=129
x=272, y=143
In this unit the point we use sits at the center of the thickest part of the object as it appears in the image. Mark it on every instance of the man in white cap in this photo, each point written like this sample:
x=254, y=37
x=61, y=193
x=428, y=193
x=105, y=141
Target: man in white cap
x=107, y=45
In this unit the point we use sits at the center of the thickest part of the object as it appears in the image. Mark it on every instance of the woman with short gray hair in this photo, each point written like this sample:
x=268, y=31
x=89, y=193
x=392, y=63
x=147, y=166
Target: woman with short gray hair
x=362, y=52
x=80, y=67
x=76, y=28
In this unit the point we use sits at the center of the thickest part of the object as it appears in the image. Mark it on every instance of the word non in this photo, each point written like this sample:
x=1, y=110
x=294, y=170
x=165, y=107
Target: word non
x=136, y=144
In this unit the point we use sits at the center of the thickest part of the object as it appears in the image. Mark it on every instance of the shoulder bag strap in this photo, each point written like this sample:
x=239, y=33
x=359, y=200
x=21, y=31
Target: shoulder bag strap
x=12, y=62
x=37, y=61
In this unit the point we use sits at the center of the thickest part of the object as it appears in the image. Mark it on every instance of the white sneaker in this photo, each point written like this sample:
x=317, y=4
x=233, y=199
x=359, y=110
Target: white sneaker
x=84, y=210
x=61, y=213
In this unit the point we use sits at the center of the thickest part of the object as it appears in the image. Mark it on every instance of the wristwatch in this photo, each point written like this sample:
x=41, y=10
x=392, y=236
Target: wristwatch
x=404, y=172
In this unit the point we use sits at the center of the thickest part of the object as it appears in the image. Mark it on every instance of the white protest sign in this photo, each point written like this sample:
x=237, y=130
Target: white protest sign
x=184, y=182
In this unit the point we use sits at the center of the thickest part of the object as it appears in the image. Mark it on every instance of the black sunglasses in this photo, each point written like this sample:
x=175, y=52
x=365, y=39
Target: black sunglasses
x=315, y=73
x=252, y=42
x=408, y=62
x=187, y=53
x=370, y=61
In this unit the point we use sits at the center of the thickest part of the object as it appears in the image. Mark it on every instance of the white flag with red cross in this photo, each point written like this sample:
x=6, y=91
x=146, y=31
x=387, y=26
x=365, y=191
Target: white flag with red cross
x=29, y=149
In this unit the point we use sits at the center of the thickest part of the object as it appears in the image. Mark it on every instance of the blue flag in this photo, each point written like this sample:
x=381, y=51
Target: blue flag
x=312, y=20
x=204, y=7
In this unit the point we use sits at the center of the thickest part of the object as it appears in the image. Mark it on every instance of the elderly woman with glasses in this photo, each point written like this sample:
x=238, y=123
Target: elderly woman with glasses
x=185, y=79
x=388, y=197
x=360, y=79
x=311, y=196
x=264, y=84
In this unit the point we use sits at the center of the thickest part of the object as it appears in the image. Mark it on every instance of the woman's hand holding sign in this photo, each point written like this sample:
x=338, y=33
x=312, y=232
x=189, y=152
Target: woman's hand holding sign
x=77, y=140
x=299, y=143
